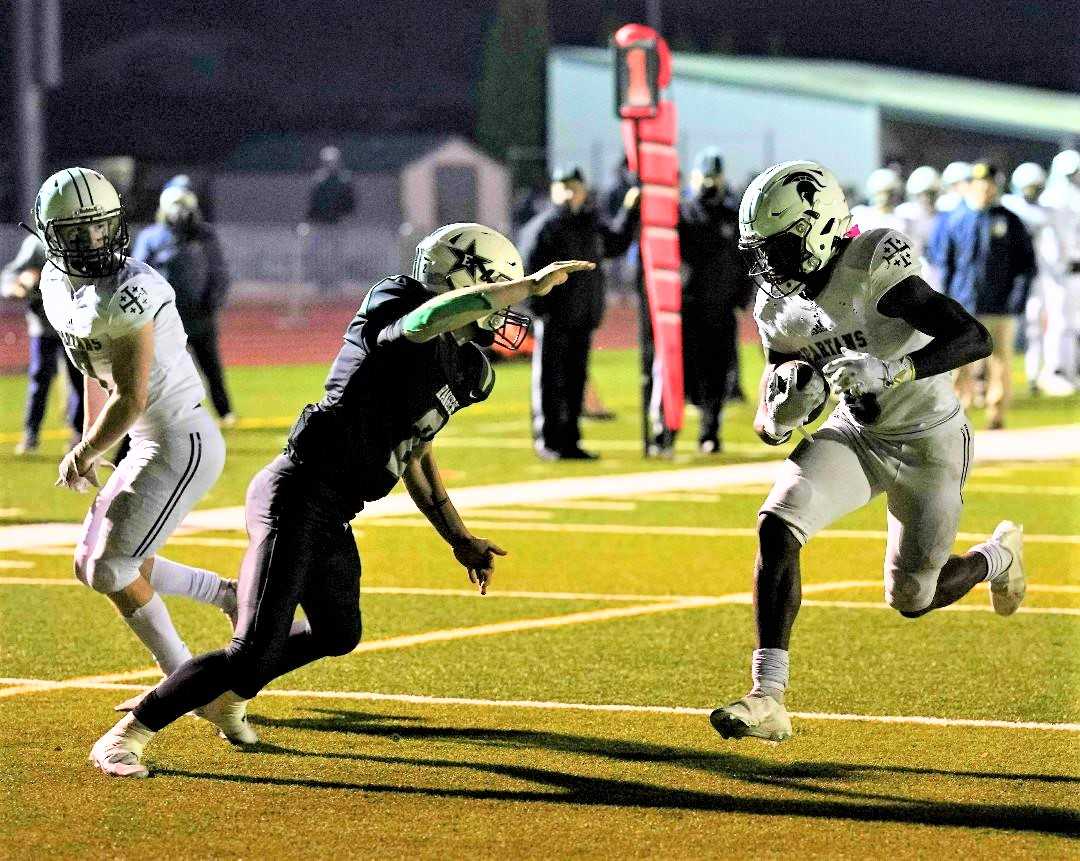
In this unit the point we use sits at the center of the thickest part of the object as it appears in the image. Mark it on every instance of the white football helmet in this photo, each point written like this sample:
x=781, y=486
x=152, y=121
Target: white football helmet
x=882, y=180
x=923, y=180
x=1027, y=175
x=791, y=219
x=179, y=207
x=955, y=172
x=80, y=219
x=1065, y=163
x=460, y=255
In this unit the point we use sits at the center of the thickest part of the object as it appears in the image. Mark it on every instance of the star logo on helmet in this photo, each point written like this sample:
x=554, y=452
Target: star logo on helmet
x=467, y=260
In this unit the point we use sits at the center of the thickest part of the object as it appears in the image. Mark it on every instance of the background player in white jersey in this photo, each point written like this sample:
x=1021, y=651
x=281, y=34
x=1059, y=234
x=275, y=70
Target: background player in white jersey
x=119, y=325
x=882, y=195
x=1050, y=354
x=855, y=309
x=919, y=215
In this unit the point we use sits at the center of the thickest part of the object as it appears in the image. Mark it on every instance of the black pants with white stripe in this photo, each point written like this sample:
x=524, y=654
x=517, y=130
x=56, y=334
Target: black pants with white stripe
x=301, y=552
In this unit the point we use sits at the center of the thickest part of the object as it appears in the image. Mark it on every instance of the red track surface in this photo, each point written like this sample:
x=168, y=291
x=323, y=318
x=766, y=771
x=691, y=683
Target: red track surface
x=262, y=334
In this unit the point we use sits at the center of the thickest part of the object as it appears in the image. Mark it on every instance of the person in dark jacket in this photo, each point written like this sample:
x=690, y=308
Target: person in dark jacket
x=187, y=253
x=331, y=202
x=987, y=262
x=714, y=287
x=20, y=280
x=570, y=229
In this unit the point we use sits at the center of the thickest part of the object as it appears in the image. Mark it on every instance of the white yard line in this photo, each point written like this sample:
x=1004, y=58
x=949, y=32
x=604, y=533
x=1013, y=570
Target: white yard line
x=694, y=531
x=1054, y=443
x=1023, y=489
x=952, y=608
x=618, y=708
x=30, y=686
x=11, y=564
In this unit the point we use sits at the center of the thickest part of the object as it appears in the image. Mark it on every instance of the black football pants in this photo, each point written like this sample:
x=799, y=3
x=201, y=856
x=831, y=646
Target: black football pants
x=300, y=553
x=560, y=364
x=204, y=349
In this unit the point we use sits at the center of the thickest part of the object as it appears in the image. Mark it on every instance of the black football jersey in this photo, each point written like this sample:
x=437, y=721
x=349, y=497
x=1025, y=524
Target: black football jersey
x=385, y=395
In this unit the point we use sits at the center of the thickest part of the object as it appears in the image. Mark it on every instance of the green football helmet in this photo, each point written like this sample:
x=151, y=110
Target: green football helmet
x=80, y=219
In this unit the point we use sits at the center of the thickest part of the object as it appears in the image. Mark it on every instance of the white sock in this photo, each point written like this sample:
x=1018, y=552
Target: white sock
x=135, y=734
x=175, y=578
x=153, y=625
x=770, y=672
x=998, y=558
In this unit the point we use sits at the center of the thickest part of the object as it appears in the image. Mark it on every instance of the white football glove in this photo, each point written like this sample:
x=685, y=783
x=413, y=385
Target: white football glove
x=77, y=470
x=859, y=374
x=789, y=404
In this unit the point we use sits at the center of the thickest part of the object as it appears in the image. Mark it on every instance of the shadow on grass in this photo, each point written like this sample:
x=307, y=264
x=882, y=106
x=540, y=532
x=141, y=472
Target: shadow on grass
x=814, y=781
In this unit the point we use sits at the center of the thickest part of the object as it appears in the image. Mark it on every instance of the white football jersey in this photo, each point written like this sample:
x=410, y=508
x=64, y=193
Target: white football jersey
x=845, y=315
x=919, y=221
x=90, y=314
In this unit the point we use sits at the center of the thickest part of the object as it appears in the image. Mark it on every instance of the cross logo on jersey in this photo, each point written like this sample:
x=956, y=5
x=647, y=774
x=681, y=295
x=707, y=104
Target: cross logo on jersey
x=467, y=260
x=133, y=299
x=896, y=252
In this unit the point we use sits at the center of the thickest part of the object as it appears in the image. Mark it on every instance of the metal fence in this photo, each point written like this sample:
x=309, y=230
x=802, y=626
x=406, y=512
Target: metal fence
x=263, y=257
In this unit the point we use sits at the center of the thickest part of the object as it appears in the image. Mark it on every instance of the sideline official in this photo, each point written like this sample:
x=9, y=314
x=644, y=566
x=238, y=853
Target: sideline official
x=569, y=229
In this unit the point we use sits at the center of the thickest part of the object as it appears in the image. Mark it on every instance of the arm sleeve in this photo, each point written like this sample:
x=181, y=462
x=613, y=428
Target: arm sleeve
x=894, y=259
x=384, y=308
x=136, y=303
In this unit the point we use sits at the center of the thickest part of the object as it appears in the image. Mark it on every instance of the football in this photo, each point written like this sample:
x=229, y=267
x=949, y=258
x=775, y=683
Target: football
x=797, y=393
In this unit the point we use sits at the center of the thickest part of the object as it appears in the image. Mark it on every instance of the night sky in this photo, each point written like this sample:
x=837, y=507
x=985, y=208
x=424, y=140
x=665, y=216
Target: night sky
x=186, y=81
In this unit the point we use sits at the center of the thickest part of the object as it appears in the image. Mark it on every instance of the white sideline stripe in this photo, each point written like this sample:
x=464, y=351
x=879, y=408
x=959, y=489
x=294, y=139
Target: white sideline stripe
x=419, y=699
x=1053, y=443
x=13, y=563
x=696, y=531
x=513, y=513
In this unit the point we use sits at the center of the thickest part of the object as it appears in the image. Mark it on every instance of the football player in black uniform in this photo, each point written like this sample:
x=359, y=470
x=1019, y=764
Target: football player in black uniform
x=411, y=359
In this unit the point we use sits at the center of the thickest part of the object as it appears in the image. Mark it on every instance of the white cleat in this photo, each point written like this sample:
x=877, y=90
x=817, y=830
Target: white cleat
x=118, y=752
x=1007, y=590
x=757, y=715
x=229, y=714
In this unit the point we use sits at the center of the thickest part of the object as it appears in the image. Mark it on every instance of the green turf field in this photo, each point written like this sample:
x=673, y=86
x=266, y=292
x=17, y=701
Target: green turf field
x=565, y=713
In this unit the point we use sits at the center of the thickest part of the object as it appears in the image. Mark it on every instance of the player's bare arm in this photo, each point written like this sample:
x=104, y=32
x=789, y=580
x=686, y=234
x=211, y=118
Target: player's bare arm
x=958, y=337
x=451, y=311
x=425, y=485
x=131, y=359
x=958, y=340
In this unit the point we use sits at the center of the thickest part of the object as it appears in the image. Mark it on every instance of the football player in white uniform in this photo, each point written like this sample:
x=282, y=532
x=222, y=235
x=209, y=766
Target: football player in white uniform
x=882, y=194
x=854, y=308
x=919, y=215
x=119, y=324
x=1050, y=357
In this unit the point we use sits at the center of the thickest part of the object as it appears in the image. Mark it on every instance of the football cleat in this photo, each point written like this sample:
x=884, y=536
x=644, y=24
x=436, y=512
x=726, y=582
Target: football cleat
x=118, y=752
x=1007, y=589
x=229, y=714
x=757, y=715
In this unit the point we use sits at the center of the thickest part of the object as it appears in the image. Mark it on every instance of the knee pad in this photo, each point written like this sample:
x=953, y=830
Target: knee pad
x=910, y=593
x=106, y=574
